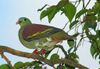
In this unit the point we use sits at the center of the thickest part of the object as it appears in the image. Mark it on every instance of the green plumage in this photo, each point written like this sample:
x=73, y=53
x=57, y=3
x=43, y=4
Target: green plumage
x=37, y=36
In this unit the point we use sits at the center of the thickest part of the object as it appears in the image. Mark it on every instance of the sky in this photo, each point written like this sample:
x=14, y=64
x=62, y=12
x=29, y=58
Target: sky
x=11, y=10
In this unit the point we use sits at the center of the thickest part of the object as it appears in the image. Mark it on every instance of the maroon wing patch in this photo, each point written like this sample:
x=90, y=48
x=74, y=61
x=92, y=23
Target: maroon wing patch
x=32, y=29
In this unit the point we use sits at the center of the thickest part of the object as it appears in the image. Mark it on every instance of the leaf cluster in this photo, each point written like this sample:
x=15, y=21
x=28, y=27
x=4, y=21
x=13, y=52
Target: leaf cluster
x=23, y=65
x=64, y=6
x=87, y=19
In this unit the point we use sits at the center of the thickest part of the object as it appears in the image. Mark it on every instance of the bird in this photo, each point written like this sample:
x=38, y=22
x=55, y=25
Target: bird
x=38, y=36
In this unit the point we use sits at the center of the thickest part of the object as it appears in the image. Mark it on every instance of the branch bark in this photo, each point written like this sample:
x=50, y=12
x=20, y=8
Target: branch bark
x=40, y=58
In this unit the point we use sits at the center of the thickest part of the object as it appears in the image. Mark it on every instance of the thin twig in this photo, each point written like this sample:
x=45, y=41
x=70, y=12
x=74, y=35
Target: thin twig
x=65, y=25
x=72, y=28
x=87, y=3
x=77, y=4
x=83, y=4
x=78, y=45
x=42, y=7
x=61, y=47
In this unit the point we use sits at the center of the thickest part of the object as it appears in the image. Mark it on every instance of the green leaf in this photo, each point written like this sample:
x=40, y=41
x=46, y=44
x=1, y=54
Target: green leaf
x=54, y=57
x=46, y=12
x=61, y=4
x=27, y=64
x=43, y=14
x=89, y=25
x=81, y=12
x=74, y=55
x=92, y=25
x=95, y=45
x=69, y=67
x=97, y=48
x=98, y=33
x=51, y=15
x=93, y=49
x=50, y=12
x=37, y=67
x=73, y=23
x=96, y=55
x=98, y=17
x=18, y=65
x=96, y=7
x=99, y=62
x=36, y=63
x=85, y=27
x=71, y=43
x=98, y=41
x=4, y=66
x=61, y=67
x=69, y=10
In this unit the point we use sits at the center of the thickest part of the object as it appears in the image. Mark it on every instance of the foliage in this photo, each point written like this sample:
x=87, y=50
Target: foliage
x=66, y=7
x=21, y=65
x=54, y=57
x=88, y=19
x=4, y=66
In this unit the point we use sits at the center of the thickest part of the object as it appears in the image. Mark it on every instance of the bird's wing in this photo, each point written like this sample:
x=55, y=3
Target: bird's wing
x=37, y=31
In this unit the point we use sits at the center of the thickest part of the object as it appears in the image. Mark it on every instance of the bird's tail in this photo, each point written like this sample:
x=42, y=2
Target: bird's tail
x=68, y=37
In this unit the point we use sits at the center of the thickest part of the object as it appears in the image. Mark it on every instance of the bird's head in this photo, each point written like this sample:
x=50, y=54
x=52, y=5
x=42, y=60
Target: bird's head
x=23, y=21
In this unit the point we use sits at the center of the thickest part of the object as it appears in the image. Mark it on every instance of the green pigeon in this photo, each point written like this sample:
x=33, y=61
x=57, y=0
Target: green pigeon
x=38, y=36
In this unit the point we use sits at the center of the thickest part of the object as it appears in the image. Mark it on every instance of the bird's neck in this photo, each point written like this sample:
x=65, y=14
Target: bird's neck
x=25, y=24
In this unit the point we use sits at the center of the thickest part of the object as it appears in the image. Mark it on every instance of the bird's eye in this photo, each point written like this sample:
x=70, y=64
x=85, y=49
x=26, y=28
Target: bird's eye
x=25, y=19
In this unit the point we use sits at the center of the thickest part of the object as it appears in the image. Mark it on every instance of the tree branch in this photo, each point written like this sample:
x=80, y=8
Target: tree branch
x=40, y=58
x=5, y=58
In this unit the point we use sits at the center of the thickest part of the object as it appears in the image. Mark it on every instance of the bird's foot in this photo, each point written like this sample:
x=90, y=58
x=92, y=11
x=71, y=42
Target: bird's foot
x=36, y=52
x=41, y=52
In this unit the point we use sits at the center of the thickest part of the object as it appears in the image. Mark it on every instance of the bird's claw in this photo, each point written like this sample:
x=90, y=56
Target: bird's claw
x=36, y=52
x=41, y=52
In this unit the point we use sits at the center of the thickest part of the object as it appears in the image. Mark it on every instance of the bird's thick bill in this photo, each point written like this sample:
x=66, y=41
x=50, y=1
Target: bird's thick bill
x=17, y=22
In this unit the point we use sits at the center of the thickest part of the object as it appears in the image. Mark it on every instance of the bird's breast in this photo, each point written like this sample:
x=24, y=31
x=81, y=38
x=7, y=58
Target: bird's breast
x=43, y=43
